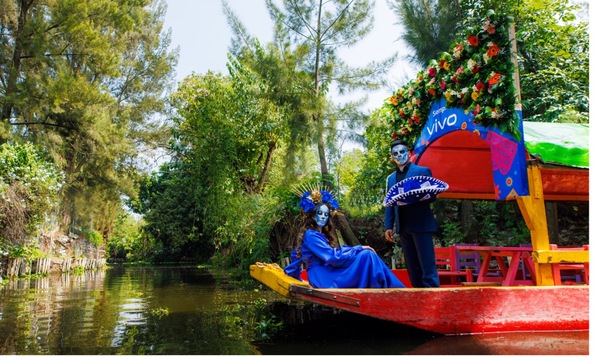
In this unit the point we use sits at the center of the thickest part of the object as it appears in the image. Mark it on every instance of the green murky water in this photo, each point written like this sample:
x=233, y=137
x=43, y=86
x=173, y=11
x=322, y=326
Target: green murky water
x=192, y=311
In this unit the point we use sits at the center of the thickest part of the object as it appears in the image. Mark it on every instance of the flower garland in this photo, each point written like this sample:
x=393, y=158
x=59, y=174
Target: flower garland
x=477, y=75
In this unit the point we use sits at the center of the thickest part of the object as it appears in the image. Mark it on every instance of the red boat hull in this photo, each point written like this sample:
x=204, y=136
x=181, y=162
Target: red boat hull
x=465, y=310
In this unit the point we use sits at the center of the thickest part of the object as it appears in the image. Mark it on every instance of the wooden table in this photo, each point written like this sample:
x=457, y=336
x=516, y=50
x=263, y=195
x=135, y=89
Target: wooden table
x=514, y=256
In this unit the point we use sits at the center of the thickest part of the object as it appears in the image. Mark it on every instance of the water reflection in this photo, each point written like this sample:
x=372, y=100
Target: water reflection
x=186, y=310
x=144, y=310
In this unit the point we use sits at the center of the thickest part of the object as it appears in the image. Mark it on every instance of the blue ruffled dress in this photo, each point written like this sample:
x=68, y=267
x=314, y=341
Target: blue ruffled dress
x=345, y=267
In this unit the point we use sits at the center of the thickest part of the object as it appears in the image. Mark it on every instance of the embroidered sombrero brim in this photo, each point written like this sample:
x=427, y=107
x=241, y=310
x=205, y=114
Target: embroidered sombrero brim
x=414, y=189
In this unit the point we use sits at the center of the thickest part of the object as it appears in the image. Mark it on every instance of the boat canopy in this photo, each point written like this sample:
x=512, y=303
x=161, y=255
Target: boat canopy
x=558, y=143
x=465, y=160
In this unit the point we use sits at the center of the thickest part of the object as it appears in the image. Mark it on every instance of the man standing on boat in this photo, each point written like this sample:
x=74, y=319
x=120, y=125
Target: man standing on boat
x=413, y=222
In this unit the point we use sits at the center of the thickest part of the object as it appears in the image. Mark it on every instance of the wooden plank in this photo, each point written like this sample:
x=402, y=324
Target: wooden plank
x=323, y=294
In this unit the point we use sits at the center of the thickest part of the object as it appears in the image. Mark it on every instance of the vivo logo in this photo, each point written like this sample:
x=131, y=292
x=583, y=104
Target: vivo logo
x=440, y=125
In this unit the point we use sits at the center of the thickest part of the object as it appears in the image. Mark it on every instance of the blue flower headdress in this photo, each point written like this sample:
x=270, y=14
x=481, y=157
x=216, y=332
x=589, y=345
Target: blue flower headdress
x=314, y=195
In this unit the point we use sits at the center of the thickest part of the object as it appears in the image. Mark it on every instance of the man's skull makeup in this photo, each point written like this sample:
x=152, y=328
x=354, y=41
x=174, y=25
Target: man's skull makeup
x=400, y=154
x=322, y=215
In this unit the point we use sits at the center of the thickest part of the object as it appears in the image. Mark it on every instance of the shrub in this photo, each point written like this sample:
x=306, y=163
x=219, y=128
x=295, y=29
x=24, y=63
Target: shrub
x=29, y=187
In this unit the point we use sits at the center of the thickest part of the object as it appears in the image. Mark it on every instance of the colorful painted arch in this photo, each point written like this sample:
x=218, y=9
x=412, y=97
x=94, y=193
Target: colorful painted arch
x=483, y=163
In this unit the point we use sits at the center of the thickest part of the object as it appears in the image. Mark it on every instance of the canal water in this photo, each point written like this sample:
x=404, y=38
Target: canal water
x=196, y=311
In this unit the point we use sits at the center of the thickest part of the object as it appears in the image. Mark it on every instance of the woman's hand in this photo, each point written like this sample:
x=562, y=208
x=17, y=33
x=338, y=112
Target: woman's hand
x=369, y=248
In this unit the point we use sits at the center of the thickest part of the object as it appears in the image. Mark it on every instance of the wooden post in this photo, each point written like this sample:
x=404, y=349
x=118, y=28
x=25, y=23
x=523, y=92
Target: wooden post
x=533, y=206
x=514, y=57
x=534, y=212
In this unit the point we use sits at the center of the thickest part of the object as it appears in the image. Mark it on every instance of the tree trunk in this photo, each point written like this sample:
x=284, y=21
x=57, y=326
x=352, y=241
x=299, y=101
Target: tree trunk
x=11, y=87
x=65, y=213
x=466, y=219
x=263, y=176
x=347, y=234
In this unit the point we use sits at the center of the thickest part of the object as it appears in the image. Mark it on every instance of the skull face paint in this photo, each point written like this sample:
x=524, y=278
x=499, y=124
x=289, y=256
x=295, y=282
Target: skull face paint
x=322, y=215
x=400, y=154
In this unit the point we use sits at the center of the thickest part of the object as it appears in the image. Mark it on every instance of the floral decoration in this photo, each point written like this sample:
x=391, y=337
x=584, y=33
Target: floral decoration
x=476, y=74
x=310, y=198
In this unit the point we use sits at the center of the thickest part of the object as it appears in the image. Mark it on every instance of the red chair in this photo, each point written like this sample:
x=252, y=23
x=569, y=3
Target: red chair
x=467, y=261
x=575, y=272
x=445, y=259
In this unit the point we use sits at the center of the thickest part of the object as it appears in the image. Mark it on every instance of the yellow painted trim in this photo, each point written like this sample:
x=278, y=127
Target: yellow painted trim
x=274, y=277
x=561, y=256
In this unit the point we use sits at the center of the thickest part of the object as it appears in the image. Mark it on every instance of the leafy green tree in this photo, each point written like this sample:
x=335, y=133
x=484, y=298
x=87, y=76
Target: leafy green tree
x=312, y=32
x=430, y=26
x=86, y=80
x=554, y=53
x=172, y=216
x=348, y=168
x=369, y=188
x=276, y=68
x=213, y=195
x=124, y=242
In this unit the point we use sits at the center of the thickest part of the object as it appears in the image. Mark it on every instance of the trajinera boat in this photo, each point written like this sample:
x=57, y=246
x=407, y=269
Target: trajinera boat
x=475, y=140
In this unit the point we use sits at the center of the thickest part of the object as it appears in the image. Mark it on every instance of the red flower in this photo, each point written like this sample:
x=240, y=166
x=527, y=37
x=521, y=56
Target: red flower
x=431, y=91
x=475, y=69
x=454, y=79
x=493, y=50
x=473, y=40
x=432, y=72
x=443, y=85
x=495, y=79
x=479, y=86
x=394, y=135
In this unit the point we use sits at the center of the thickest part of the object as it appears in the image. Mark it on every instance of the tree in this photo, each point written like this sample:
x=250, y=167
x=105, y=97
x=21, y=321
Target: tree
x=430, y=26
x=348, y=169
x=172, y=214
x=312, y=32
x=85, y=80
x=212, y=196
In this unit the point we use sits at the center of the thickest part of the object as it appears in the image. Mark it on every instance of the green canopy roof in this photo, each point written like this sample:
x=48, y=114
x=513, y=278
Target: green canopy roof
x=560, y=143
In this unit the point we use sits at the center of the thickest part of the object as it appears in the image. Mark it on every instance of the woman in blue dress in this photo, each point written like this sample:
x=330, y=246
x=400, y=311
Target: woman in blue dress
x=328, y=264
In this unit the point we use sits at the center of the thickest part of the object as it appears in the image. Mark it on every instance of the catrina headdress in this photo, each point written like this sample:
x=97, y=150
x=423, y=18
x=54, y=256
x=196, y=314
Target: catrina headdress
x=310, y=197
